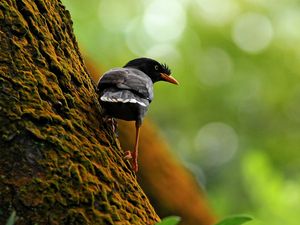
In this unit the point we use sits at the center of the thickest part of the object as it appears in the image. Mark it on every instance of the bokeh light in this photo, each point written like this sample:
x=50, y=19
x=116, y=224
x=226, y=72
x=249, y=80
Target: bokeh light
x=114, y=16
x=217, y=143
x=252, y=32
x=217, y=12
x=288, y=23
x=165, y=20
x=136, y=39
x=215, y=67
x=164, y=51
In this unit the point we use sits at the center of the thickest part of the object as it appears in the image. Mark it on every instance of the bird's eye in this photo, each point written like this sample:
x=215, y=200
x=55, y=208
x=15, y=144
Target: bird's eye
x=156, y=67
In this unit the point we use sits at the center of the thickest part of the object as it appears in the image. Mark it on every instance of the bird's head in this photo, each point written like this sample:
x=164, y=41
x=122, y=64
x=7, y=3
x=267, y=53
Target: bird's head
x=155, y=70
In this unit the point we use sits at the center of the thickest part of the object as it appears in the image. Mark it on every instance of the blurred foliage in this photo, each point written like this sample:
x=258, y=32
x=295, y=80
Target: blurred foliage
x=170, y=220
x=234, y=120
x=12, y=218
x=235, y=220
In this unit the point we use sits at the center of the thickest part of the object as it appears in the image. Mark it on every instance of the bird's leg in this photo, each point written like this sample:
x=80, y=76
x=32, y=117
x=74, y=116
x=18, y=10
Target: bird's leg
x=136, y=148
x=134, y=155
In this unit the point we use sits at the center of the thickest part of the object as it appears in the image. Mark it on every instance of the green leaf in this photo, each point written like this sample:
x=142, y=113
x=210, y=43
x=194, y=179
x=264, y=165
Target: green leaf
x=235, y=220
x=170, y=220
x=12, y=218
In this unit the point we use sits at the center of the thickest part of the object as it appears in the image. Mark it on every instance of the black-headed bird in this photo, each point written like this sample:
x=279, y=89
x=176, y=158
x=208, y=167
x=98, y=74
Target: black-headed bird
x=125, y=93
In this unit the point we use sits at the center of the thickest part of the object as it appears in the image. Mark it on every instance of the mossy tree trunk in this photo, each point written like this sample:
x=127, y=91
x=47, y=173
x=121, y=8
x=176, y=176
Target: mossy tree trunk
x=59, y=164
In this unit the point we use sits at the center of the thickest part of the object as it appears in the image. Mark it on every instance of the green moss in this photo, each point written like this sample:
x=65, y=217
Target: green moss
x=115, y=216
x=77, y=216
x=62, y=162
x=74, y=171
x=70, y=100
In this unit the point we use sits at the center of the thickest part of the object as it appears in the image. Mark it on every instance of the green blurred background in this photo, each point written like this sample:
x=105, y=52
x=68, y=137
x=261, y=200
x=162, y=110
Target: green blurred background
x=234, y=120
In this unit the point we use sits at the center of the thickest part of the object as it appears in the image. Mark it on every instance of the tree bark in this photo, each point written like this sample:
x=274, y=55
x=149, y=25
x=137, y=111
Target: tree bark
x=59, y=164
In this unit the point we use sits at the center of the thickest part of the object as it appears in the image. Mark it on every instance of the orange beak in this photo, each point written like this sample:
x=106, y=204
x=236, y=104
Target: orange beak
x=169, y=78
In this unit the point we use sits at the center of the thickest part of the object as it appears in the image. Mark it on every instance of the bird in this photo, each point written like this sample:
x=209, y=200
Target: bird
x=125, y=93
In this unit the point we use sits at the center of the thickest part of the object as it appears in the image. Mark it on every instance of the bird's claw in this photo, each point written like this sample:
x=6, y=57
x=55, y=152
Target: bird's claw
x=130, y=156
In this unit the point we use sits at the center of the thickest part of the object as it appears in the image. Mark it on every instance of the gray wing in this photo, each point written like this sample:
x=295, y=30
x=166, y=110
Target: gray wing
x=127, y=79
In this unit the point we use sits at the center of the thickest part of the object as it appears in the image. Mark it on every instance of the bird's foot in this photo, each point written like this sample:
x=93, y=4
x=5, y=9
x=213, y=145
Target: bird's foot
x=130, y=156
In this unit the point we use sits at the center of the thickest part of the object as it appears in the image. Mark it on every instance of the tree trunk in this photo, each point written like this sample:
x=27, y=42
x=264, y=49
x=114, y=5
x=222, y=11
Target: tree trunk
x=59, y=164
